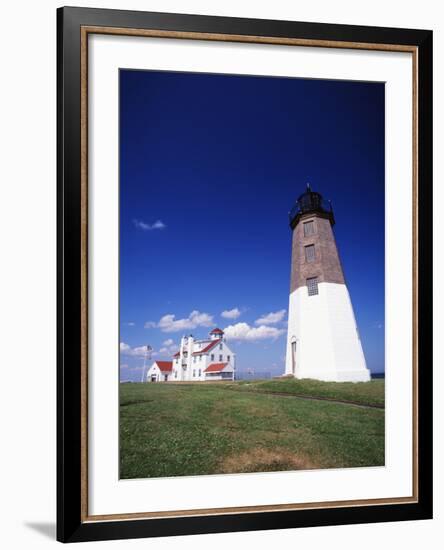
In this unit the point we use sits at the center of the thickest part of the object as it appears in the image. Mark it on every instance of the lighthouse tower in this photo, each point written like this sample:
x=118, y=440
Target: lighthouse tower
x=323, y=339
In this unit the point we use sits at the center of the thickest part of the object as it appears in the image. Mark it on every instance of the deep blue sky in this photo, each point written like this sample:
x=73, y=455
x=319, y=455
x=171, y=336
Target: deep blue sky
x=219, y=160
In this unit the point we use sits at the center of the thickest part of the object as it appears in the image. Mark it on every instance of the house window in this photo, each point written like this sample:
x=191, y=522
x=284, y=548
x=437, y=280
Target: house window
x=228, y=358
x=312, y=286
x=194, y=359
x=194, y=372
x=310, y=253
x=175, y=374
x=200, y=372
x=221, y=357
x=221, y=346
x=212, y=357
x=309, y=228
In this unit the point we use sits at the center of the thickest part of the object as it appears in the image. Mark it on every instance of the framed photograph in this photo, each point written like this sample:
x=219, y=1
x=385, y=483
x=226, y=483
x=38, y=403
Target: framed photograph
x=244, y=274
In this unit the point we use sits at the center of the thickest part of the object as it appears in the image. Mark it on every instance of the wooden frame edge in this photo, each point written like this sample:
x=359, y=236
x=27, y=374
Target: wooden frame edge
x=85, y=31
x=199, y=512
x=84, y=272
x=415, y=242
x=252, y=39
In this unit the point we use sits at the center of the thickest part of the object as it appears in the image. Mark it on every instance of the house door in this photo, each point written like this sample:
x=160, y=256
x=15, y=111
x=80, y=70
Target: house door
x=166, y=377
x=293, y=357
x=153, y=378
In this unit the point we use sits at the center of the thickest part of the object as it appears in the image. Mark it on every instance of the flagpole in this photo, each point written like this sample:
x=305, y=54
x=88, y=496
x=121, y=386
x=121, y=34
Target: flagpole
x=145, y=355
x=144, y=363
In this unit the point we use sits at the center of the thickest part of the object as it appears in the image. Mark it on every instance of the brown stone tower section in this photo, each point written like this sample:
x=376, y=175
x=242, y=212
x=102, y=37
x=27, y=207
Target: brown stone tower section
x=314, y=251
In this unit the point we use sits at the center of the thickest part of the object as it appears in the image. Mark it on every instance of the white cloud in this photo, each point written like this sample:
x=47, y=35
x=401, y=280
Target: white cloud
x=149, y=227
x=126, y=349
x=231, y=313
x=168, y=351
x=271, y=318
x=169, y=347
x=169, y=323
x=244, y=332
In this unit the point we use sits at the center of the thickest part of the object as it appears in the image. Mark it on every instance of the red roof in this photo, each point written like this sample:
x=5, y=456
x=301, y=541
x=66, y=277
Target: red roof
x=217, y=331
x=216, y=367
x=165, y=366
x=207, y=348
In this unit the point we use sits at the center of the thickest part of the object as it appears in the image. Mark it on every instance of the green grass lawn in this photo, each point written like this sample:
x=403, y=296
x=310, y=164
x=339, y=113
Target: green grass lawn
x=192, y=429
x=366, y=393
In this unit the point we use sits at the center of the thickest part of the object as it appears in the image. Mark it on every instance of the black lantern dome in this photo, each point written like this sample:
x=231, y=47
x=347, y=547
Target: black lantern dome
x=310, y=202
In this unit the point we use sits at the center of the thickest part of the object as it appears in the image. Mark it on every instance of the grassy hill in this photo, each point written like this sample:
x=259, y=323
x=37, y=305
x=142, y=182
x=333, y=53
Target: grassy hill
x=204, y=428
x=364, y=393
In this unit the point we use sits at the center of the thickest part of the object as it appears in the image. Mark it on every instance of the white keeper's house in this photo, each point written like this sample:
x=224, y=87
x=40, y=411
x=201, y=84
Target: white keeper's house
x=197, y=360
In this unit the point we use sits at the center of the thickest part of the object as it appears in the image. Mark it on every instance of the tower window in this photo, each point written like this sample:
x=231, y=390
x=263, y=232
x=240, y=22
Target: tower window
x=310, y=255
x=312, y=286
x=309, y=228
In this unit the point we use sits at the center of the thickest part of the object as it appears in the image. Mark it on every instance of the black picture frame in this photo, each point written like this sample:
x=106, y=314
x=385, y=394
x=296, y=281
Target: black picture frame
x=71, y=525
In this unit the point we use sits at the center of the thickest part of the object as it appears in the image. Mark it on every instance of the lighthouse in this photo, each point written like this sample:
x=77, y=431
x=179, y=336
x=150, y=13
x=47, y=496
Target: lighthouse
x=323, y=340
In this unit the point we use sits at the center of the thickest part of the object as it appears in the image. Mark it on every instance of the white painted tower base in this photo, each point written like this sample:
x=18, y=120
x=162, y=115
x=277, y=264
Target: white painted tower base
x=323, y=341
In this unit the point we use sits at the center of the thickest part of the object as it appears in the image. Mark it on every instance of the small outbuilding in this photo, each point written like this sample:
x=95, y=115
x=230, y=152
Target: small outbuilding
x=160, y=371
